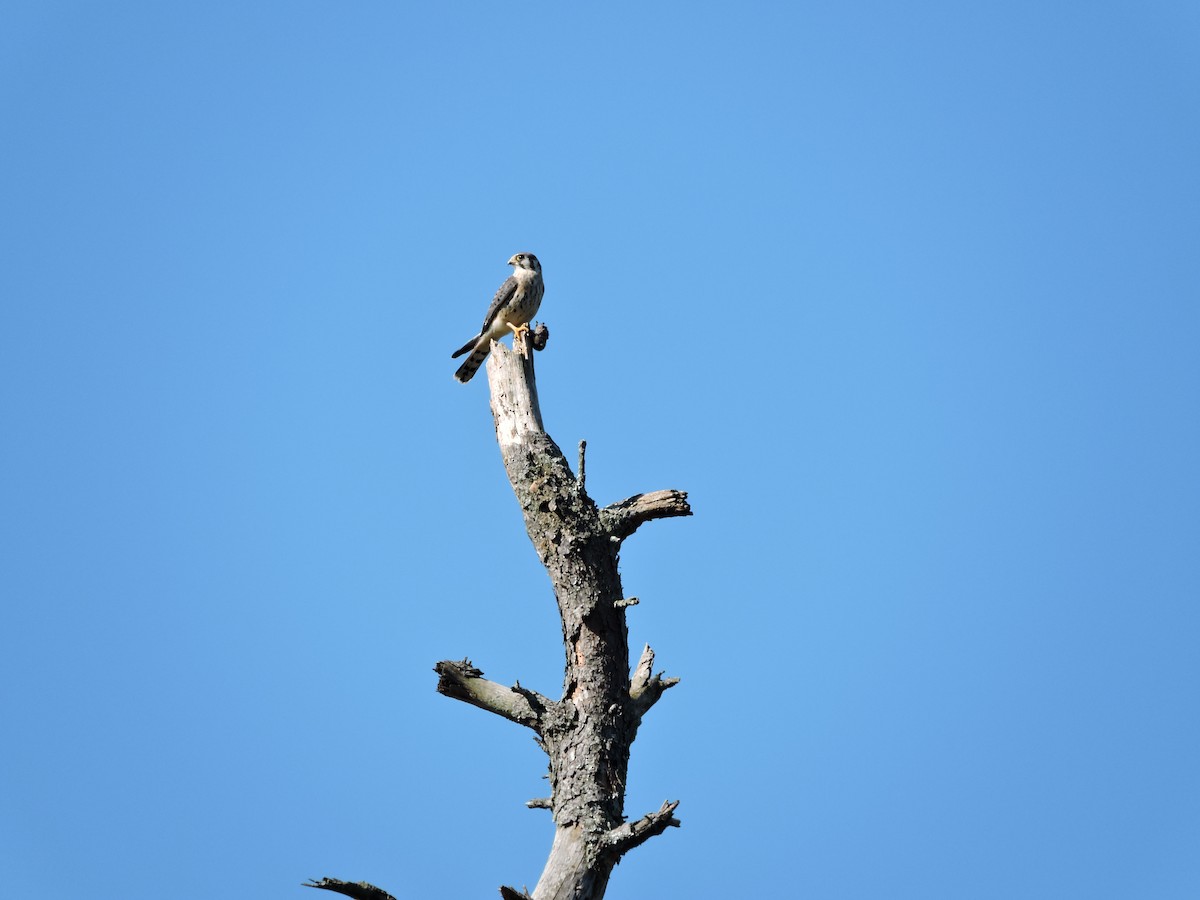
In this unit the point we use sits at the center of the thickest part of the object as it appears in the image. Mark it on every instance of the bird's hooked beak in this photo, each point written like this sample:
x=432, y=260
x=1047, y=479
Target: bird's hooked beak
x=512, y=260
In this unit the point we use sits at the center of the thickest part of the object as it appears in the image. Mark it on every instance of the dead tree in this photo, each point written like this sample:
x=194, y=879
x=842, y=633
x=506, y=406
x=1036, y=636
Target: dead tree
x=588, y=731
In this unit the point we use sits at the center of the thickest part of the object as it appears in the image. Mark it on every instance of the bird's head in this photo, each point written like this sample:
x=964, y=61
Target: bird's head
x=525, y=261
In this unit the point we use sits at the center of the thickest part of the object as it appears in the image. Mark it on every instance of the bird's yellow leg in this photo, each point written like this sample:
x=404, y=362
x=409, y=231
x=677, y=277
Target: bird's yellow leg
x=520, y=333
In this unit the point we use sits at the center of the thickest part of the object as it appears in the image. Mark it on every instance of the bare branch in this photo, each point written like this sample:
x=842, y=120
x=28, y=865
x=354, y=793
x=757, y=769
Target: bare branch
x=625, y=837
x=627, y=601
x=645, y=688
x=508, y=893
x=540, y=803
x=582, y=464
x=641, y=672
x=623, y=518
x=462, y=681
x=357, y=889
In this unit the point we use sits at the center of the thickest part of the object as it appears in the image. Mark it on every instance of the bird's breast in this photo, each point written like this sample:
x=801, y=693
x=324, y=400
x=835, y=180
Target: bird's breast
x=524, y=304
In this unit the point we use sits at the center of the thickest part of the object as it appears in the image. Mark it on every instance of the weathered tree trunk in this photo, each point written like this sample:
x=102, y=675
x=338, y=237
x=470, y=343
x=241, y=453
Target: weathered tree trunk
x=588, y=731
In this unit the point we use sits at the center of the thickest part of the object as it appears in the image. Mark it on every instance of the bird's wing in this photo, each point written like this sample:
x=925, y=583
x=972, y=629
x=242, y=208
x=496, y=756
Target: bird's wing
x=505, y=294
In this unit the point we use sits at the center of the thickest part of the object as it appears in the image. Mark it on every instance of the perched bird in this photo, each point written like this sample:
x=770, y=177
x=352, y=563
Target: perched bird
x=513, y=306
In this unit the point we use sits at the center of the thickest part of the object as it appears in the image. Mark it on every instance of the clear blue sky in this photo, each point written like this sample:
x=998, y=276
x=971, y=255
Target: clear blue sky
x=904, y=295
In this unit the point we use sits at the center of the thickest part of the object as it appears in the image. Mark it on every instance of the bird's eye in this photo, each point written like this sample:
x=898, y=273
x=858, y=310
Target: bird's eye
x=520, y=256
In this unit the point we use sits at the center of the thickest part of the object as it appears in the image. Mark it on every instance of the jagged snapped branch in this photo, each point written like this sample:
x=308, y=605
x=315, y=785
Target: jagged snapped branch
x=360, y=890
x=625, y=837
x=623, y=518
x=646, y=687
x=462, y=681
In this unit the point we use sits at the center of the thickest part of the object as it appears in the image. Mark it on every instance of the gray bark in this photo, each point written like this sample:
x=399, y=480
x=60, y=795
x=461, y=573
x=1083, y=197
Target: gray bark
x=588, y=731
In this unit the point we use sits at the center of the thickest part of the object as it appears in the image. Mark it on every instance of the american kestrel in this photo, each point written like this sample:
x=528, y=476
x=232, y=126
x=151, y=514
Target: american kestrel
x=514, y=305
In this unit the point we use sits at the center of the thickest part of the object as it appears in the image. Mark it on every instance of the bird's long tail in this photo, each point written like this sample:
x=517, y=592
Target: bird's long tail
x=468, y=369
x=469, y=345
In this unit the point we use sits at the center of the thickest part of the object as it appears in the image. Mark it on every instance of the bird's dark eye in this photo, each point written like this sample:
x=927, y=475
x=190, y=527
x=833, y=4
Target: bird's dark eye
x=520, y=256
